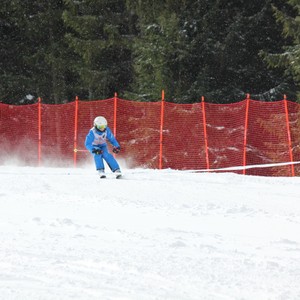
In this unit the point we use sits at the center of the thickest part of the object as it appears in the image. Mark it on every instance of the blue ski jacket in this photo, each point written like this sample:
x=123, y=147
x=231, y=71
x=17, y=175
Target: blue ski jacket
x=98, y=139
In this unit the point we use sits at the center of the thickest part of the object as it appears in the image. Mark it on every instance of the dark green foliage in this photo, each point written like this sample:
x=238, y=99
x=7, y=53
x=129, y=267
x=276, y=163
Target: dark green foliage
x=37, y=58
x=189, y=48
x=100, y=35
x=13, y=69
x=290, y=58
x=208, y=48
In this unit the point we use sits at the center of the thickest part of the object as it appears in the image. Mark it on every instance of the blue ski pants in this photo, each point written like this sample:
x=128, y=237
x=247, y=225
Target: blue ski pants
x=108, y=157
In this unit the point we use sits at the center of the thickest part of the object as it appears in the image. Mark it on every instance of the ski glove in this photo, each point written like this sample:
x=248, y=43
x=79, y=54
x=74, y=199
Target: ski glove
x=116, y=150
x=97, y=151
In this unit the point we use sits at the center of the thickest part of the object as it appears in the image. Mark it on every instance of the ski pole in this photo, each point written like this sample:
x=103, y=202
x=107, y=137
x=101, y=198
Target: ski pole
x=80, y=150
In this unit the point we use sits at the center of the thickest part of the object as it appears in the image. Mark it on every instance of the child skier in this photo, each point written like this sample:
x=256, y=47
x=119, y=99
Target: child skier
x=96, y=143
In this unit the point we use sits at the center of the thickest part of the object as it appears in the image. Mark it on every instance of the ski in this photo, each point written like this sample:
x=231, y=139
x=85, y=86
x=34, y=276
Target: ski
x=117, y=176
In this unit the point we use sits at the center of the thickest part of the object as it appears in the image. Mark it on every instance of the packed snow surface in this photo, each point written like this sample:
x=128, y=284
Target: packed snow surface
x=155, y=234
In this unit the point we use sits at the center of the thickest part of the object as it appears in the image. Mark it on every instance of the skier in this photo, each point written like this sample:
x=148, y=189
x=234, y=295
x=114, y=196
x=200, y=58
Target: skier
x=96, y=143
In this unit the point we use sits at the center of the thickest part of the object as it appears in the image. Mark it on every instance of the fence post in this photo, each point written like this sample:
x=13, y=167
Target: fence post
x=245, y=133
x=205, y=132
x=115, y=113
x=75, y=131
x=39, y=130
x=161, y=128
x=289, y=134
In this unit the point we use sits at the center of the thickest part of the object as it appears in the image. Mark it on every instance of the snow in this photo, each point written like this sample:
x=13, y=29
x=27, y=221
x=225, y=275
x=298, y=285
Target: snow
x=156, y=234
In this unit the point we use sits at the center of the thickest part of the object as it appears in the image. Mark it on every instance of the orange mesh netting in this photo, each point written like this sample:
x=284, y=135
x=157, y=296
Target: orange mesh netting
x=159, y=134
x=19, y=133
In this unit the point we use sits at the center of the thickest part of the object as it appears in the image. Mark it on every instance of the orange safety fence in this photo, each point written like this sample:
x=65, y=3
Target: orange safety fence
x=199, y=136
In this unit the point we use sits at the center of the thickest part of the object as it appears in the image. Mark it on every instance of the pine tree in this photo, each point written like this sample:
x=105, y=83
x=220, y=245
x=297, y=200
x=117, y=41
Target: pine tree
x=226, y=39
x=157, y=50
x=206, y=47
x=36, y=58
x=100, y=34
x=13, y=77
x=290, y=58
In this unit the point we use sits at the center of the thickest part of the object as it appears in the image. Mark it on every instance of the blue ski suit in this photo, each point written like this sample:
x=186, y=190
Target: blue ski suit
x=96, y=139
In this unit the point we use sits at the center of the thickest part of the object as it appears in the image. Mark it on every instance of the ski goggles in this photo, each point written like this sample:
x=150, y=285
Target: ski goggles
x=101, y=127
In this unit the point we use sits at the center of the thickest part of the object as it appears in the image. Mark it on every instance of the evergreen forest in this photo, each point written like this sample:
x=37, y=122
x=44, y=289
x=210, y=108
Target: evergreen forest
x=220, y=49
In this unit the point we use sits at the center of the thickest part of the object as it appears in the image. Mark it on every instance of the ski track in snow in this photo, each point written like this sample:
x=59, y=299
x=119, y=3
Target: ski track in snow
x=170, y=235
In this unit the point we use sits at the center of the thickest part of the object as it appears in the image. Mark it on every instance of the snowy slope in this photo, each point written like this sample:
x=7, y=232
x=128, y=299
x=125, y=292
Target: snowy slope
x=65, y=234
